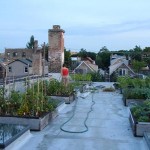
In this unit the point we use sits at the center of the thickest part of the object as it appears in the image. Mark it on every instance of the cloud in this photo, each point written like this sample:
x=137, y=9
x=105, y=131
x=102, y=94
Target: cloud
x=108, y=29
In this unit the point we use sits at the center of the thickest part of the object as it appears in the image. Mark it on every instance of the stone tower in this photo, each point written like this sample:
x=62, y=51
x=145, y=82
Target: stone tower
x=56, y=49
x=37, y=63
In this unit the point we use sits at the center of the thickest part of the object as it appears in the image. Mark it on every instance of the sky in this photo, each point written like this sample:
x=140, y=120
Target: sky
x=116, y=24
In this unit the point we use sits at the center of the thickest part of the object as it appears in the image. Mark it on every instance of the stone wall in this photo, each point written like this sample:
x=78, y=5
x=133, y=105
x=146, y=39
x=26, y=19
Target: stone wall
x=18, y=53
x=37, y=63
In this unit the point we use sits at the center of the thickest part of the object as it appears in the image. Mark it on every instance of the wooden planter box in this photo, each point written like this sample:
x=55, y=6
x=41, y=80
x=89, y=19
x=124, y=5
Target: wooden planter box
x=66, y=99
x=138, y=128
x=34, y=123
x=132, y=102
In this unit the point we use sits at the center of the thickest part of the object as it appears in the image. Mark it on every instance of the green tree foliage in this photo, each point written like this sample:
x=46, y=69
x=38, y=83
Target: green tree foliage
x=104, y=49
x=67, y=57
x=136, y=53
x=30, y=44
x=96, y=77
x=83, y=53
x=103, y=58
x=137, y=65
x=92, y=55
x=146, y=49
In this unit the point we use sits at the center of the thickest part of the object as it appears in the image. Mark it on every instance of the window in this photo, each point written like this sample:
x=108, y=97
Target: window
x=8, y=54
x=26, y=69
x=23, y=54
x=122, y=72
x=15, y=54
x=10, y=69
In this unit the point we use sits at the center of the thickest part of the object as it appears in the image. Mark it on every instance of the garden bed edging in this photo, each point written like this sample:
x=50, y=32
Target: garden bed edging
x=35, y=123
x=138, y=128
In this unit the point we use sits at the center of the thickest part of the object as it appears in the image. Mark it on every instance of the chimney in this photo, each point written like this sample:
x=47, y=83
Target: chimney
x=35, y=45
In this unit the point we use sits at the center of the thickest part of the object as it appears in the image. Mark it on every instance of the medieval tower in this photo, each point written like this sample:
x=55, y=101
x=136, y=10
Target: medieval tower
x=56, y=49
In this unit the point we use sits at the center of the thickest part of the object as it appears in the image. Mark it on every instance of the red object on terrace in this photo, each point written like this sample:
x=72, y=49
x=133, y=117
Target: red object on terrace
x=65, y=71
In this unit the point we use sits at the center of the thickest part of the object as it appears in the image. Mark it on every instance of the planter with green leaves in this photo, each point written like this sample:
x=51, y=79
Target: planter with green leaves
x=58, y=90
x=133, y=96
x=140, y=118
x=33, y=108
x=123, y=82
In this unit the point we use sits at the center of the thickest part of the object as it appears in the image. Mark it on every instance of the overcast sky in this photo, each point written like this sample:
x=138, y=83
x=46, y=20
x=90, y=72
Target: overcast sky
x=116, y=24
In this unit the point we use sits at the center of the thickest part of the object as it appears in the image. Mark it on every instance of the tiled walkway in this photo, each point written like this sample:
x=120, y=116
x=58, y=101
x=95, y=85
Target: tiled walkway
x=108, y=124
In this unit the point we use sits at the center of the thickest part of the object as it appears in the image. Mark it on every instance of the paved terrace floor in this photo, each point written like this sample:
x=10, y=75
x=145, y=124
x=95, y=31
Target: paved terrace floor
x=108, y=124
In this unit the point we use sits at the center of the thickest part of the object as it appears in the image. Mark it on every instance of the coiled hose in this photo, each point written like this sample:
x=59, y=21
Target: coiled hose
x=85, y=121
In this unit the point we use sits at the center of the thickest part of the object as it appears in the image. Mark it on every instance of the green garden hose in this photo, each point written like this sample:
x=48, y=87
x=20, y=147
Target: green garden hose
x=87, y=116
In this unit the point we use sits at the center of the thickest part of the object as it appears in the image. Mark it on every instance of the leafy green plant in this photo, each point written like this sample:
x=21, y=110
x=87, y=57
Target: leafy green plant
x=81, y=77
x=136, y=93
x=96, y=77
x=142, y=112
x=124, y=82
x=33, y=102
x=58, y=88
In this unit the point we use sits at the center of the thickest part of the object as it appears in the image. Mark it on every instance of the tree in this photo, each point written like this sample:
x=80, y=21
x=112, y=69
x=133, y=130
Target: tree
x=83, y=53
x=67, y=57
x=136, y=53
x=137, y=65
x=103, y=49
x=103, y=58
x=92, y=55
x=30, y=45
x=146, y=49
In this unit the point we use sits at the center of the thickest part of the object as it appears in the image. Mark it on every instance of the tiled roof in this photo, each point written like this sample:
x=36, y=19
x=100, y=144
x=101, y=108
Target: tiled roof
x=25, y=61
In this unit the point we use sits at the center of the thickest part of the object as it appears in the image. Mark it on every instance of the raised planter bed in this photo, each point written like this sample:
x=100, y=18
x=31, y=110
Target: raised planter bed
x=35, y=123
x=132, y=102
x=138, y=128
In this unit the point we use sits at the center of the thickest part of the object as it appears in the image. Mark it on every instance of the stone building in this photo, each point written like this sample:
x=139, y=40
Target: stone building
x=36, y=55
x=21, y=53
x=56, y=49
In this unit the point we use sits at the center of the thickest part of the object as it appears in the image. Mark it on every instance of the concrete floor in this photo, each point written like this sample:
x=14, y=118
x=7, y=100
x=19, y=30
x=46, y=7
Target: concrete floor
x=108, y=124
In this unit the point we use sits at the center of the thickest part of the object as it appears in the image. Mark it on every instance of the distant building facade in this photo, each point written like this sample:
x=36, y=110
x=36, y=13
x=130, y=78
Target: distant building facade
x=21, y=53
x=19, y=68
x=86, y=66
x=119, y=66
x=40, y=66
